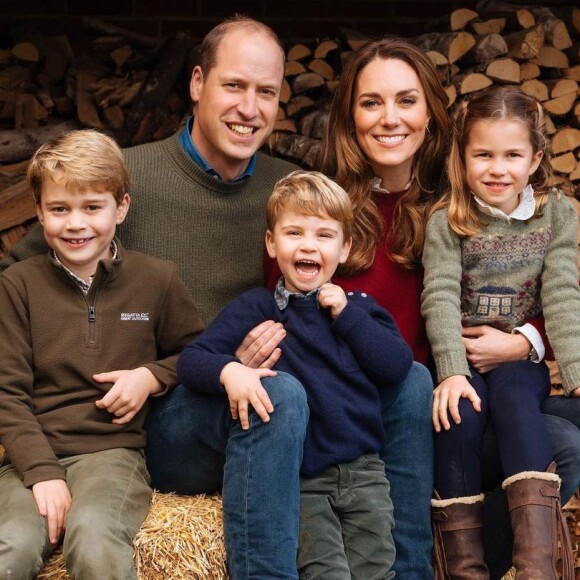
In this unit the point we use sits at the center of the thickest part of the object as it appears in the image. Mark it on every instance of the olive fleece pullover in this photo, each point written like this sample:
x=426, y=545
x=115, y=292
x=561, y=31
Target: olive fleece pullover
x=137, y=313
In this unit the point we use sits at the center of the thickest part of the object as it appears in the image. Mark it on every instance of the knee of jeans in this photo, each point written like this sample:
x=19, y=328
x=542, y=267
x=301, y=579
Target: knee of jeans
x=287, y=395
x=413, y=397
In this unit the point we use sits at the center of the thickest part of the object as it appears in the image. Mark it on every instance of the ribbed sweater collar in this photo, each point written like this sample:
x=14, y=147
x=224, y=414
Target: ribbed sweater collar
x=190, y=171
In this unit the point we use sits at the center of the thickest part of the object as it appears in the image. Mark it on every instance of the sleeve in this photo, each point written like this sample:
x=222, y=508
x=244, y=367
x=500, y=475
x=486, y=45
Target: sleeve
x=561, y=294
x=20, y=431
x=202, y=361
x=32, y=244
x=178, y=324
x=374, y=338
x=441, y=297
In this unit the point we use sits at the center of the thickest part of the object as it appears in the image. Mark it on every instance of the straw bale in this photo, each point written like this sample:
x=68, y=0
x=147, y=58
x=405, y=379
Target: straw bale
x=182, y=537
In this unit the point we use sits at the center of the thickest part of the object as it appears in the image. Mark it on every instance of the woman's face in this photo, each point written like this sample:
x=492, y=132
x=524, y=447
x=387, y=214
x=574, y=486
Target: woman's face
x=390, y=117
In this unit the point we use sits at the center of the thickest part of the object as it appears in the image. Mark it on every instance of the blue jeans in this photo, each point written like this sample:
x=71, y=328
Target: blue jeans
x=194, y=446
x=408, y=457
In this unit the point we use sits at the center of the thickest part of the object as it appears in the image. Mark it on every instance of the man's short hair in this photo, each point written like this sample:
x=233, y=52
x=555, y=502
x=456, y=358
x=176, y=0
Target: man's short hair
x=310, y=193
x=80, y=160
x=212, y=40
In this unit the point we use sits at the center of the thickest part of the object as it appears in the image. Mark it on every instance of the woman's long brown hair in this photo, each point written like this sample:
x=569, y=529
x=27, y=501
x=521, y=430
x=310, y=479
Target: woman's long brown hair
x=342, y=159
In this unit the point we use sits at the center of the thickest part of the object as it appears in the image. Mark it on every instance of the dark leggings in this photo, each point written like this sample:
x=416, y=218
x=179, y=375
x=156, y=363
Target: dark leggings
x=511, y=397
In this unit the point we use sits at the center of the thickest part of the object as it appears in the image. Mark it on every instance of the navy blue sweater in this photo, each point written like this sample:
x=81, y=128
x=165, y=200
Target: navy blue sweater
x=341, y=363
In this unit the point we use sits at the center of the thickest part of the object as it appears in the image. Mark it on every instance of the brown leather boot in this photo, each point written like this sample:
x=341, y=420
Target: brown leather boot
x=538, y=525
x=458, y=546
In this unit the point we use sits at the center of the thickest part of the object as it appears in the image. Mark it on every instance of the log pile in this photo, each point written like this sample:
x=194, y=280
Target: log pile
x=532, y=47
x=136, y=87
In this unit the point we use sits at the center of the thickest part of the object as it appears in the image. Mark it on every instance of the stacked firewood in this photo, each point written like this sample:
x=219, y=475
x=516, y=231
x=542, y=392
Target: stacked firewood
x=532, y=47
x=136, y=87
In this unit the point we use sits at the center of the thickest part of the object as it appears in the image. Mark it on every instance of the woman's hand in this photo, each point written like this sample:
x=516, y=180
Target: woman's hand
x=488, y=347
x=446, y=398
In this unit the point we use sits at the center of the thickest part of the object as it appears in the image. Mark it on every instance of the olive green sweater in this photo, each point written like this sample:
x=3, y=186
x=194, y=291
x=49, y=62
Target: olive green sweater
x=54, y=338
x=502, y=276
x=213, y=230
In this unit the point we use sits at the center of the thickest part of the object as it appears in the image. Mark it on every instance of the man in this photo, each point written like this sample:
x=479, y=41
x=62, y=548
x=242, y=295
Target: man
x=200, y=199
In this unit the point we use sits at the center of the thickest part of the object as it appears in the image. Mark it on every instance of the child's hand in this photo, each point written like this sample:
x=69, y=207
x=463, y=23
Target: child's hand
x=446, y=396
x=333, y=298
x=244, y=388
x=53, y=500
x=129, y=392
x=575, y=392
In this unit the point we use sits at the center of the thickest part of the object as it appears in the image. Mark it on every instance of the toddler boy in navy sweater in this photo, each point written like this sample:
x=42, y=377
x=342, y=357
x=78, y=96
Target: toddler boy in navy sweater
x=343, y=349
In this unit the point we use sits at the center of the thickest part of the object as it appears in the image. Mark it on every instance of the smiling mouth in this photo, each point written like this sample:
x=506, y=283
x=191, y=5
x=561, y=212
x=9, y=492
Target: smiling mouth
x=393, y=140
x=77, y=242
x=241, y=130
x=307, y=268
x=497, y=184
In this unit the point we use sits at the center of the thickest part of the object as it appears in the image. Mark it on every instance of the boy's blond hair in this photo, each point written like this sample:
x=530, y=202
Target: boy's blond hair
x=310, y=193
x=80, y=160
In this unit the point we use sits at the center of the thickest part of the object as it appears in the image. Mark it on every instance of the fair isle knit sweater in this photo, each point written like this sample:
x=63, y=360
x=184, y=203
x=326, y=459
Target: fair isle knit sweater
x=506, y=274
x=213, y=230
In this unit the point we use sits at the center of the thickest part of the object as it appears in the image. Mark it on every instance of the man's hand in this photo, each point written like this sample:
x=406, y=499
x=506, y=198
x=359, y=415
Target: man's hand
x=129, y=392
x=446, y=397
x=53, y=500
x=244, y=388
x=260, y=347
x=575, y=392
x=332, y=297
x=488, y=347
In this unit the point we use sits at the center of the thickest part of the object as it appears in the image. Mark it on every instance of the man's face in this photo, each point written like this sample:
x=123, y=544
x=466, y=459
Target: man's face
x=237, y=100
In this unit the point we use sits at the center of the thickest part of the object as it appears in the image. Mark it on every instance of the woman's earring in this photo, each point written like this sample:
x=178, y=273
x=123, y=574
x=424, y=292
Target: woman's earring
x=428, y=130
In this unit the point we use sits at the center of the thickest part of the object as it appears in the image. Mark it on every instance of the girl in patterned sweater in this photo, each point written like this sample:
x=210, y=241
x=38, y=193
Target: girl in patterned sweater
x=500, y=249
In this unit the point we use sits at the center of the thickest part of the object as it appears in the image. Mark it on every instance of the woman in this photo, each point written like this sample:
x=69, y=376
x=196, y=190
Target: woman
x=389, y=98
x=385, y=145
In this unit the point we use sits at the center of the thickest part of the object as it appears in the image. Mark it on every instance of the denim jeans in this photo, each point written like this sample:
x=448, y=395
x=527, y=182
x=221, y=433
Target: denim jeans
x=566, y=407
x=408, y=457
x=194, y=446
x=346, y=519
x=497, y=531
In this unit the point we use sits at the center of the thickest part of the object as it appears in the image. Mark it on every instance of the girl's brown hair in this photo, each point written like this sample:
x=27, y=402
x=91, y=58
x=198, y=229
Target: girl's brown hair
x=493, y=103
x=342, y=158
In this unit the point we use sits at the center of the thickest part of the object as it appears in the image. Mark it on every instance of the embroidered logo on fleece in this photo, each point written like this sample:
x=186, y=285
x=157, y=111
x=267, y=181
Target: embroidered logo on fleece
x=134, y=315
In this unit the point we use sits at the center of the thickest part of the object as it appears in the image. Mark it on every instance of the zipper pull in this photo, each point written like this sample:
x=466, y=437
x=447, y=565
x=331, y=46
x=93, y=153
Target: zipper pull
x=92, y=316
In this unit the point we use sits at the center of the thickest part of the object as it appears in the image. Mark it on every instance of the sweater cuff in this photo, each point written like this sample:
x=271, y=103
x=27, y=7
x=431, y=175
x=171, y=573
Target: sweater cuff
x=45, y=473
x=570, y=377
x=450, y=364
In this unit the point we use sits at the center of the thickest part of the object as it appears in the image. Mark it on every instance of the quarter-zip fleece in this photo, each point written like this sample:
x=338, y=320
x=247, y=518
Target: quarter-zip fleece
x=54, y=339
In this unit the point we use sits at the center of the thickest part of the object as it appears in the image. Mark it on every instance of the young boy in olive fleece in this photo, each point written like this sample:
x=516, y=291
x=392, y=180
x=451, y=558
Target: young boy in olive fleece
x=89, y=332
